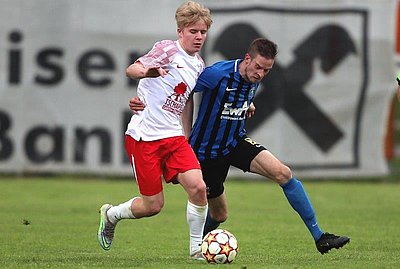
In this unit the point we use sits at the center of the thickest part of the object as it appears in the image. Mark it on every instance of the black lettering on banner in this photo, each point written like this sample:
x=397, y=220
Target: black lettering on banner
x=92, y=67
x=15, y=59
x=6, y=145
x=45, y=59
x=95, y=60
x=285, y=85
x=35, y=154
x=82, y=136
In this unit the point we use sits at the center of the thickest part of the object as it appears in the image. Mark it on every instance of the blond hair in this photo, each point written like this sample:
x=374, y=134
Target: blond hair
x=191, y=12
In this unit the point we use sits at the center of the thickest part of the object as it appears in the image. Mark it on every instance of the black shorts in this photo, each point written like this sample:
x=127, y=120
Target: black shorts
x=216, y=170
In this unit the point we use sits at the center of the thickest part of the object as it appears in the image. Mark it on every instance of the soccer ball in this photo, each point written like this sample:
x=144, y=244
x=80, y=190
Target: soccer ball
x=219, y=246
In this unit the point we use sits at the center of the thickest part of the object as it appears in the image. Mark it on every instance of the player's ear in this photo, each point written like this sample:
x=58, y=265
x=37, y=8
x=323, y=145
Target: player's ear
x=179, y=31
x=247, y=58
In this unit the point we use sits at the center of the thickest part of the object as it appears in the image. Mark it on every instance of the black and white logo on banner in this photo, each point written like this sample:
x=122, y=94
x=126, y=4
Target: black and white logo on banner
x=310, y=106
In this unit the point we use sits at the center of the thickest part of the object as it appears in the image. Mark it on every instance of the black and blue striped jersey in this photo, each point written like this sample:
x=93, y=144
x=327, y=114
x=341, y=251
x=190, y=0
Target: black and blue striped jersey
x=220, y=122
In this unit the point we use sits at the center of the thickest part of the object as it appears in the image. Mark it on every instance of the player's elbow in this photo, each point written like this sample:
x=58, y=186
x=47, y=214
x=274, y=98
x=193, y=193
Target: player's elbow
x=129, y=72
x=134, y=71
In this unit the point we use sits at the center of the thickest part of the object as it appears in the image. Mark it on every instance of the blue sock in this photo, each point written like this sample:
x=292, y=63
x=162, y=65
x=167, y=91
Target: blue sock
x=211, y=224
x=298, y=199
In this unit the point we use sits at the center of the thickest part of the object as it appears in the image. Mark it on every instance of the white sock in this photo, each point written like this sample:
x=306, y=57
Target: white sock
x=121, y=211
x=196, y=217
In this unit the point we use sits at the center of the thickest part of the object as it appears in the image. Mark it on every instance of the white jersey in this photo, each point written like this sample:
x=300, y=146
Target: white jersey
x=164, y=97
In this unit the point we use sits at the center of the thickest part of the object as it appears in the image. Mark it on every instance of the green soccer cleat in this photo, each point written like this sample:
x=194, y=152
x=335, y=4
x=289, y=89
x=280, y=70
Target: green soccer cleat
x=105, y=234
x=329, y=241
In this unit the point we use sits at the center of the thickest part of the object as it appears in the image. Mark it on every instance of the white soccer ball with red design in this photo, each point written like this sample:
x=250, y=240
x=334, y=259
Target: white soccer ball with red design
x=219, y=246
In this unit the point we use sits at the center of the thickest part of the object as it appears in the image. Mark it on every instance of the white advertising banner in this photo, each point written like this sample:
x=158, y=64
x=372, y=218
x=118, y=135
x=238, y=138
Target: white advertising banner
x=323, y=108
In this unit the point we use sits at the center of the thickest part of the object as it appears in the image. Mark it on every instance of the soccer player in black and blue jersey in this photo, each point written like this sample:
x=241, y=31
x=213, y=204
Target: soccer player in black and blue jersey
x=219, y=138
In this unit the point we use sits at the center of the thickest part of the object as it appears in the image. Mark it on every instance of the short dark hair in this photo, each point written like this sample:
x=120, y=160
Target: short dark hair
x=264, y=47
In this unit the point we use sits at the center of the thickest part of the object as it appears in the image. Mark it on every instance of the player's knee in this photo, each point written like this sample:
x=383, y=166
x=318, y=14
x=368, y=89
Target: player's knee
x=199, y=189
x=197, y=193
x=154, y=208
x=222, y=217
x=218, y=214
x=283, y=175
x=153, y=211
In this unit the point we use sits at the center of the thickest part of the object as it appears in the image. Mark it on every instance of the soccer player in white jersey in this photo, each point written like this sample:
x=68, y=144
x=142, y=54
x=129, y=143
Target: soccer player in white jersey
x=156, y=141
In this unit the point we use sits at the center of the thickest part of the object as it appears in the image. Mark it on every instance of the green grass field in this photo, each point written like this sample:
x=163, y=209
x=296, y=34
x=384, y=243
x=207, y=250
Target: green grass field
x=63, y=220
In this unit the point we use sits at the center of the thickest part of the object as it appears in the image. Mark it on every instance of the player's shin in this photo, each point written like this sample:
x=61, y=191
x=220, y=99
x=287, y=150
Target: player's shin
x=196, y=217
x=298, y=199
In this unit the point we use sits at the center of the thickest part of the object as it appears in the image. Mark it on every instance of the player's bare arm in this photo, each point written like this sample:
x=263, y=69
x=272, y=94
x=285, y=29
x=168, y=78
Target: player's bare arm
x=138, y=71
x=187, y=116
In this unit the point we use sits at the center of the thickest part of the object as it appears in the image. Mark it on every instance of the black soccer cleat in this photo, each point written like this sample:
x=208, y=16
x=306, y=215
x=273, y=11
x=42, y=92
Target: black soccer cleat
x=328, y=241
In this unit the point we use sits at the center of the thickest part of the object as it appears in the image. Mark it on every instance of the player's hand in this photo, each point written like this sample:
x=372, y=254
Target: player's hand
x=154, y=72
x=136, y=105
x=251, y=110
